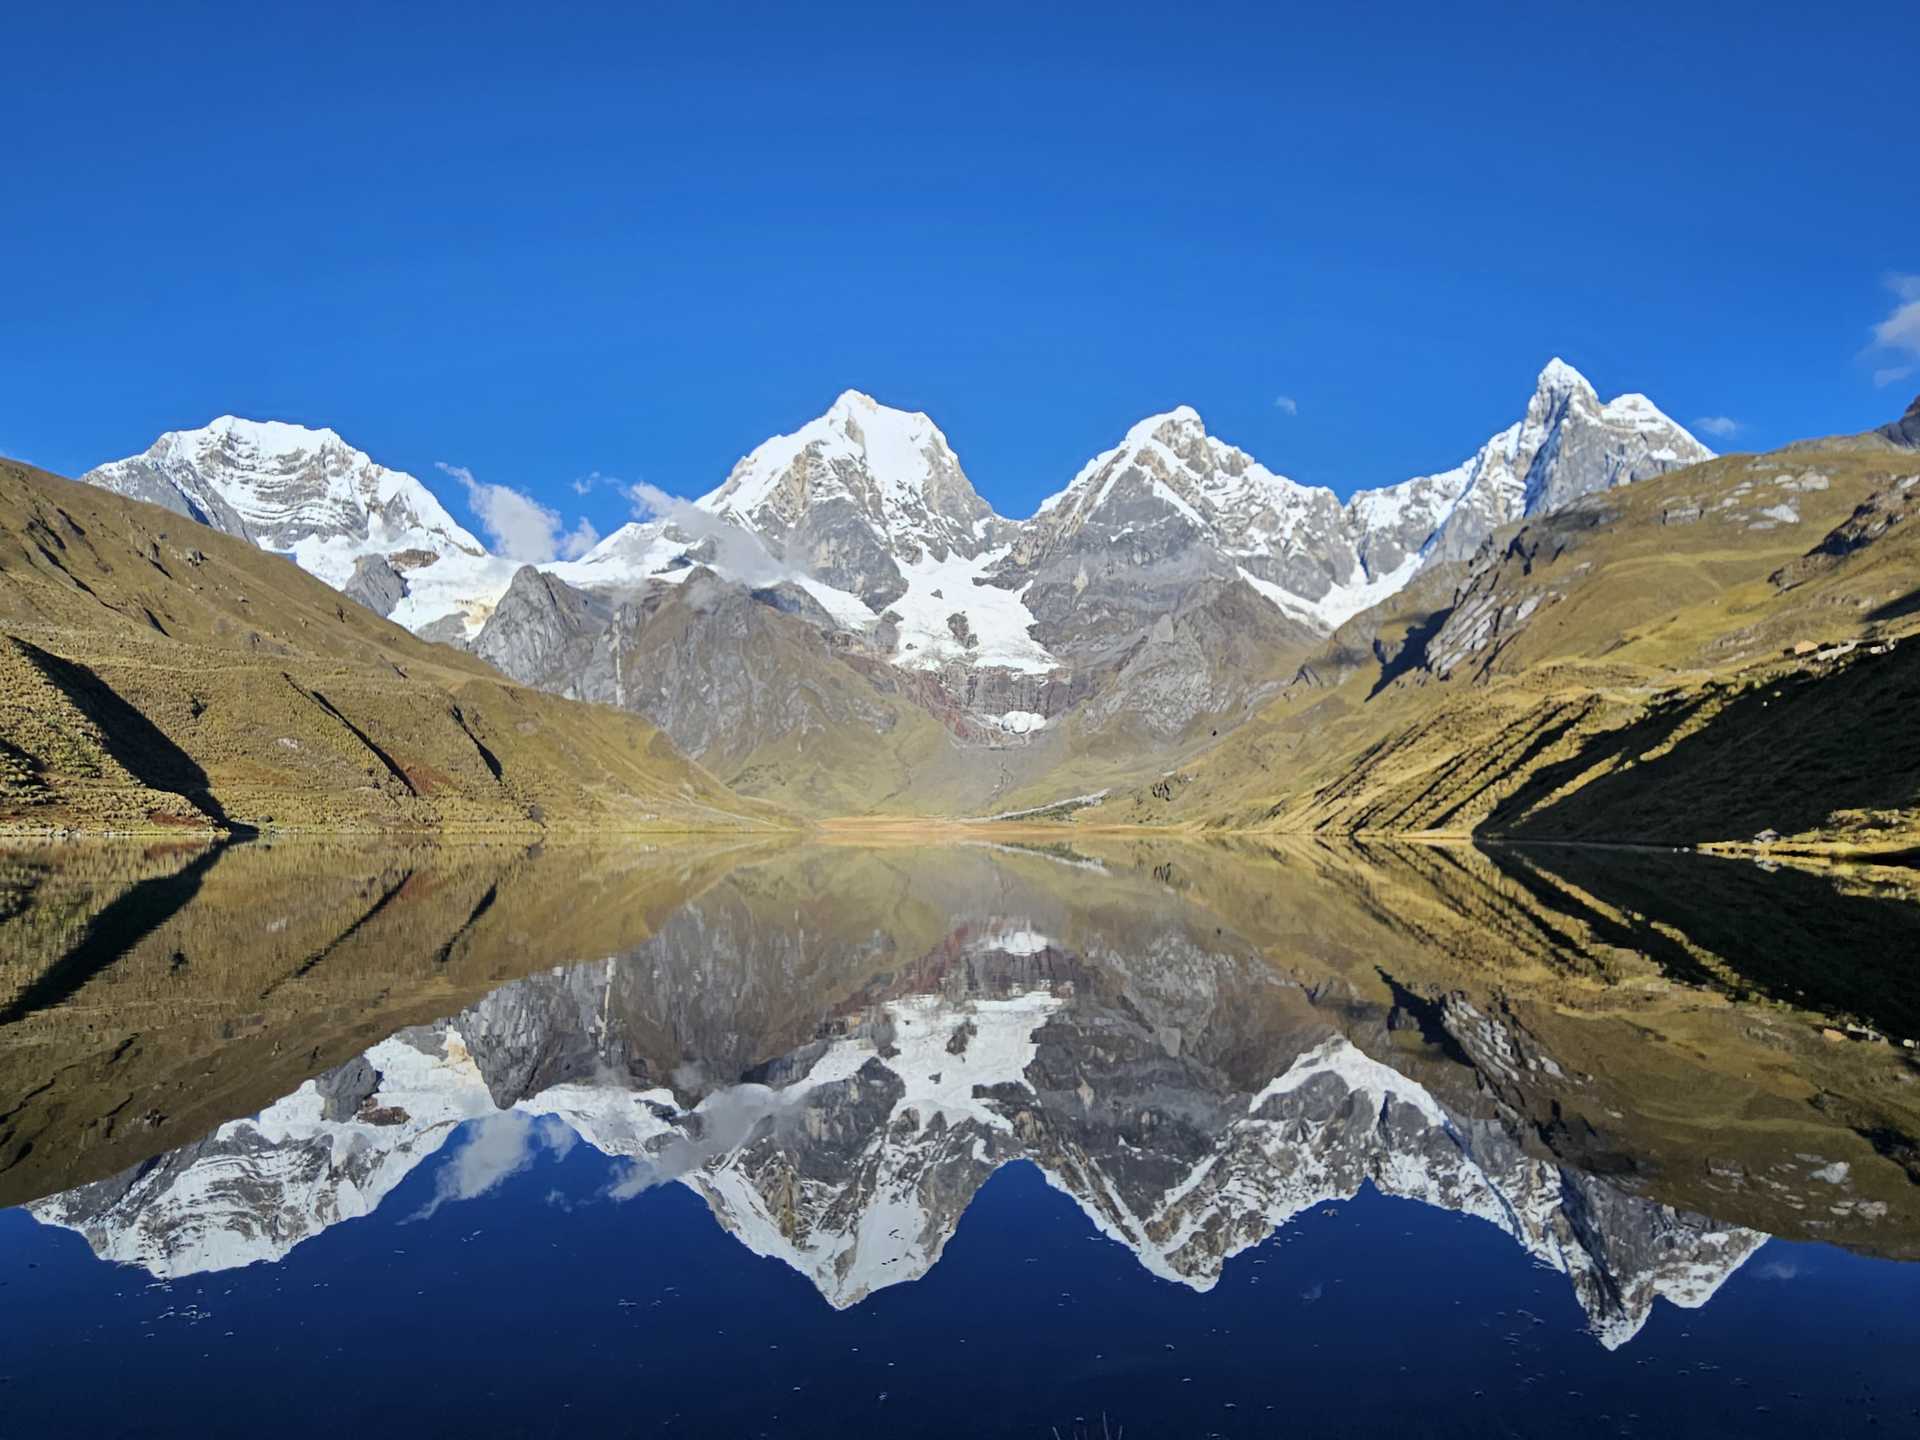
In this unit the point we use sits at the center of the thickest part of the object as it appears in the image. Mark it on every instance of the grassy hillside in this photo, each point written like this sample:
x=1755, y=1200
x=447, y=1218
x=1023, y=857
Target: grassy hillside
x=156, y=675
x=1701, y=657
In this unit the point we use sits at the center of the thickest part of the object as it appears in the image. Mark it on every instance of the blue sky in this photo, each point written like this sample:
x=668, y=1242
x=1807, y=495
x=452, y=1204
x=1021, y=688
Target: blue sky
x=542, y=244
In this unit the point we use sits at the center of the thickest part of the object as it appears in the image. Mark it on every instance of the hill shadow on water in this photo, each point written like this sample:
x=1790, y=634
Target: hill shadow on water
x=1811, y=939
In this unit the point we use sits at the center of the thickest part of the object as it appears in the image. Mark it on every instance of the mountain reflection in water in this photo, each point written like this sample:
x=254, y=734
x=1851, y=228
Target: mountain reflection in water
x=1635, y=1068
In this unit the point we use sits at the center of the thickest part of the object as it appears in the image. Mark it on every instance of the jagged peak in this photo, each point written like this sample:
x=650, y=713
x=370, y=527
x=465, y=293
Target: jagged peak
x=858, y=403
x=1557, y=377
x=902, y=448
x=1181, y=416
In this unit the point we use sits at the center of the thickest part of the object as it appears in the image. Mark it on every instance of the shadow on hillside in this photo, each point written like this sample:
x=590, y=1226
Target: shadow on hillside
x=1908, y=604
x=1651, y=730
x=135, y=742
x=1412, y=654
x=1799, y=937
x=1783, y=756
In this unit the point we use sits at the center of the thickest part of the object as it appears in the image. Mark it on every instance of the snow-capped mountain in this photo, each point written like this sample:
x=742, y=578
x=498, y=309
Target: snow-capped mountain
x=855, y=494
x=1167, y=508
x=1158, y=598
x=1171, y=504
x=873, y=502
x=870, y=509
x=1568, y=444
x=852, y=1157
x=378, y=534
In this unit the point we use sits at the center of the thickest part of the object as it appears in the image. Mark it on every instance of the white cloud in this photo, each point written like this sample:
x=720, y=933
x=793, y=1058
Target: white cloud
x=1901, y=329
x=727, y=1119
x=500, y=1145
x=740, y=553
x=519, y=526
x=1892, y=373
x=1718, y=425
x=1287, y=404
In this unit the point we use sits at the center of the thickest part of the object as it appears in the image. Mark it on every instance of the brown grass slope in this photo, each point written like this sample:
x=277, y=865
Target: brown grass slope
x=155, y=674
x=1695, y=658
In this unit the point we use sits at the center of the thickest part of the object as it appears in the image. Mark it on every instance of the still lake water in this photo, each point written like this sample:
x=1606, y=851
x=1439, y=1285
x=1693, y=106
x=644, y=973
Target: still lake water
x=971, y=1140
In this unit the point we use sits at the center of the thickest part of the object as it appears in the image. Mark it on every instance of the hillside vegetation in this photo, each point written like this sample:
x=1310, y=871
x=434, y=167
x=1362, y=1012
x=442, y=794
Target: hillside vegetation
x=157, y=675
x=1707, y=656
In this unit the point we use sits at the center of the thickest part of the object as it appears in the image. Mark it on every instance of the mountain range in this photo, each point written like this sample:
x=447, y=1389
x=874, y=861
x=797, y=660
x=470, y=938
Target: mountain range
x=1154, y=601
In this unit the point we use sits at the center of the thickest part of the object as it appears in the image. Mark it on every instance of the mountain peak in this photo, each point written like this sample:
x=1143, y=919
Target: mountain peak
x=308, y=494
x=1183, y=416
x=265, y=437
x=858, y=401
x=1558, y=377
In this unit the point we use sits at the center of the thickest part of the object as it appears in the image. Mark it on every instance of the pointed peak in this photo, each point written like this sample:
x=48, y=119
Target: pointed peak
x=1558, y=377
x=862, y=406
x=1183, y=416
x=857, y=415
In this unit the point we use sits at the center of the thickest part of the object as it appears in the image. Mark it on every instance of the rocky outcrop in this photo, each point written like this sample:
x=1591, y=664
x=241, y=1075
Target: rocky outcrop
x=543, y=629
x=1904, y=432
x=375, y=584
x=722, y=670
x=1871, y=519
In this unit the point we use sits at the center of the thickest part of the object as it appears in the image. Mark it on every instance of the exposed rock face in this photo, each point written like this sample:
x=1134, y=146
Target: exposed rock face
x=543, y=629
x=1568, y=444
x=375, y=584
x=723, y=670
x=1904, y=432
x=1492, y=606
x=1885, y=509
x=1169, y=509
x=1212, y=656
x=1186, y=1096
x=1172, y=507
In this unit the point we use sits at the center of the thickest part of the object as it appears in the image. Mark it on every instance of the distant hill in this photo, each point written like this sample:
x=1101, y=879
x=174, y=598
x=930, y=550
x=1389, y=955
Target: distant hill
x=155, y=674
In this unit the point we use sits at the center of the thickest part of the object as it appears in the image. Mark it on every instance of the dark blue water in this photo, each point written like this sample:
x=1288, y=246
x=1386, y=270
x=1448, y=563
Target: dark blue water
x=542, y=1307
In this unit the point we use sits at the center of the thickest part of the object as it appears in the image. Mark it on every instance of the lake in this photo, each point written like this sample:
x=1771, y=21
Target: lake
x=1085, y=1137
